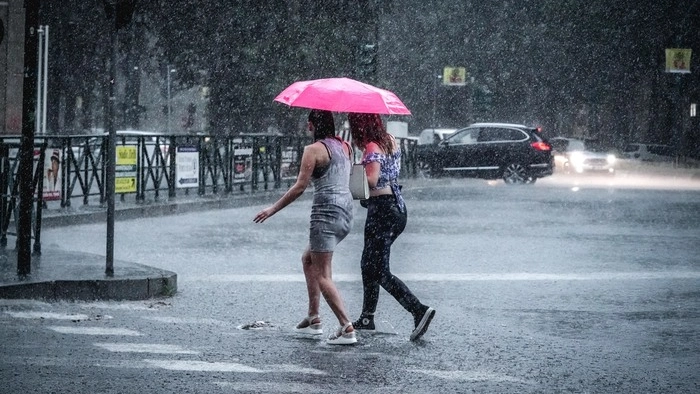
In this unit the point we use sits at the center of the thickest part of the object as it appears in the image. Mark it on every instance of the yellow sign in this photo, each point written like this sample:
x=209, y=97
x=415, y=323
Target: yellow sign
x=126, y=155
x=454, y=76
x=125, y=185
x=125, y=169
x=678, y=60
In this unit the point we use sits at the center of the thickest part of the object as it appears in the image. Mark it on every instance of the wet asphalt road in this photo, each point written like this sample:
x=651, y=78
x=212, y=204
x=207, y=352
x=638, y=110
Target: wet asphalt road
x=581, y=285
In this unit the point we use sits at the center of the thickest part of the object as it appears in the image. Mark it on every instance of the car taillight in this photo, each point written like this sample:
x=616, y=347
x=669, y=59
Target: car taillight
x=541, y=145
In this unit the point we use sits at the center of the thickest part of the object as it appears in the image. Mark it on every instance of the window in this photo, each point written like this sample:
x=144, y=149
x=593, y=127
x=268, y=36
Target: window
x=493, y=134
x=466, y=136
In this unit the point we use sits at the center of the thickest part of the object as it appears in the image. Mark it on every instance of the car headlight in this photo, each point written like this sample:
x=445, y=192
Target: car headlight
x=576, y=158
x=611, y=159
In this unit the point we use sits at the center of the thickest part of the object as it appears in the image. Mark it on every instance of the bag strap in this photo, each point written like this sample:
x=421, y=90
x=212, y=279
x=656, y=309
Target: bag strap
x=352, y=152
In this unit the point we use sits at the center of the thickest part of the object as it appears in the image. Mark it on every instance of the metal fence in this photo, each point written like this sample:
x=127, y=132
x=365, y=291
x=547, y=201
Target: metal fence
x=71, y=169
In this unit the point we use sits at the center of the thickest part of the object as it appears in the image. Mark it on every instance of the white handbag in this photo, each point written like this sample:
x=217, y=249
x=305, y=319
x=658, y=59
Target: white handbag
x=358, y=182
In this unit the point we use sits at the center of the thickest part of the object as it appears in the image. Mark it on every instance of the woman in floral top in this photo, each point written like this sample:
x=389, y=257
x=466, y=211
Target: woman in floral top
x=386, y=220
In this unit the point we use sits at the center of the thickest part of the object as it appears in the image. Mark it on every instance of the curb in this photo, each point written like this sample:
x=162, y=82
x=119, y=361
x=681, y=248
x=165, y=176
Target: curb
x=108, y=289
x=63, y=275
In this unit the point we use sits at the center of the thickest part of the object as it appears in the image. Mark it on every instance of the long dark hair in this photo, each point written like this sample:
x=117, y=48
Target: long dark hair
x=366, y=128
x=324, y=125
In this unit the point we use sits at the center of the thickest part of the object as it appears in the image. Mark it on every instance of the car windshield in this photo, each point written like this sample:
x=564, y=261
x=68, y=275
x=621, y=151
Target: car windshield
x=592, y=146
x=575, y=145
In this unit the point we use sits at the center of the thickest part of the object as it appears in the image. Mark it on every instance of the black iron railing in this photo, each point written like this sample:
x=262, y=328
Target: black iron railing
x=71, y=169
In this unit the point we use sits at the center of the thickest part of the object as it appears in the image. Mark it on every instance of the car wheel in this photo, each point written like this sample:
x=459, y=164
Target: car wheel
x=516, y=174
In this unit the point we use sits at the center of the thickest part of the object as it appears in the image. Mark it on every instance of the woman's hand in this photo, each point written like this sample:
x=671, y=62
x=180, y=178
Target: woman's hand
x=308, y=163
x=264, y=214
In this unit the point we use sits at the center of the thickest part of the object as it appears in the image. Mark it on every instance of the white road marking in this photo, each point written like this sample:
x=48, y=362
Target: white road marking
x=269, y=387
x=181, y=320
x=210, y=366
x=121, y=305
x=23, y=302
x=144, y=348
x=471, y=376
x=456, y=277
x=202, y=366
x=95, y=331
x=47, y=315
x=526, y=276
x=171, y=365
x=291, y=368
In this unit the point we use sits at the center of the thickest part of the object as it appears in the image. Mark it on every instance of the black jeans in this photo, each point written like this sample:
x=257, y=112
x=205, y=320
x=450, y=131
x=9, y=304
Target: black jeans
x=385, y=222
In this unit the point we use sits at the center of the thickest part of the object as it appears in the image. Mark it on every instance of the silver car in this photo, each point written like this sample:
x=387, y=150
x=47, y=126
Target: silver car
x=577, y=156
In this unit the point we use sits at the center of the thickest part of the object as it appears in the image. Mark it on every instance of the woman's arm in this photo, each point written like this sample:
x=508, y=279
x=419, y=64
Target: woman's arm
x=308, y=163
x=372, y=169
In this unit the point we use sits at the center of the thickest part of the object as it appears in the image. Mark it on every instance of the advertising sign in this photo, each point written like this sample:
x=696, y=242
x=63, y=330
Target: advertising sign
x=125, y=169
x=187, y=166
x=242, y=160
x=454, y=76
x=52, y=174
x=678, y=60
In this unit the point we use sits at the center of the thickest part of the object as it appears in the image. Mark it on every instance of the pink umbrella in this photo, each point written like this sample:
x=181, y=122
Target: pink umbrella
x=342, y=95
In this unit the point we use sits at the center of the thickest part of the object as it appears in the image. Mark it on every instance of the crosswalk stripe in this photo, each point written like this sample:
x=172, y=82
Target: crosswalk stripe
x=47, y=315
x=269, y=387
x=218, y=366
x=94, y=331
x=181, y=320
x=202, y=366
x=144, y=348
x=291, y=368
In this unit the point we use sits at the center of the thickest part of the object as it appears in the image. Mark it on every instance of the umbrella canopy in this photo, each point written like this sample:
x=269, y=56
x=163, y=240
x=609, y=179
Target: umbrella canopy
x=342, y=95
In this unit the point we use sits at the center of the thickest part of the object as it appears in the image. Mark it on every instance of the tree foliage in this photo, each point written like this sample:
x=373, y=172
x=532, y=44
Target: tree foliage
x=549, y=62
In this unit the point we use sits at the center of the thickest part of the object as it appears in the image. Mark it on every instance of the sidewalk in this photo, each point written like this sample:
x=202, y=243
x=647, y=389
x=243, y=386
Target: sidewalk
x=62, y=275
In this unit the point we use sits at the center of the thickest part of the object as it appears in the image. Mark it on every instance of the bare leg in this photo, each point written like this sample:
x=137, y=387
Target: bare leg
x=311, y=284
x=321, y=270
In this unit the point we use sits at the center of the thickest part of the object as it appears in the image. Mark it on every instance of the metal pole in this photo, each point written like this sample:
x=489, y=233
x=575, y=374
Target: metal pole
x=39, y=69
x=26, y=160
x=46, y=79
x=110, y=157
x=168, y=78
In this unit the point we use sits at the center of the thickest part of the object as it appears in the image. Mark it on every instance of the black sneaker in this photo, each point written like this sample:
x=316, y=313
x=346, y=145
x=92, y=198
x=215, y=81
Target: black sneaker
x=364, y=323
x=422, y=321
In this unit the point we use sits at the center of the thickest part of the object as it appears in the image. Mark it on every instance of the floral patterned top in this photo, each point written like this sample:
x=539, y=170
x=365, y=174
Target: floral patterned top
x=389, y=169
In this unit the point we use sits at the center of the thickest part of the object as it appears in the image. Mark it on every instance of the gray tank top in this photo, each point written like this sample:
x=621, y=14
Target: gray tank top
x=332, y=182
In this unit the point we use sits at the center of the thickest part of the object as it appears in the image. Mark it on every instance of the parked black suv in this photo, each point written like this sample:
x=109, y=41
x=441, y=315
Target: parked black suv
x=513, y=152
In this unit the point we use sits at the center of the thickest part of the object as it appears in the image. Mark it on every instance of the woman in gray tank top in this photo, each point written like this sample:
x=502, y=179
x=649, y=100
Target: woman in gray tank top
x=326, y=164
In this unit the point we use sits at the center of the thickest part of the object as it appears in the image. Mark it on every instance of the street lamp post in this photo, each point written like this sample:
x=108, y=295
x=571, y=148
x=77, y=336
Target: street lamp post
x=436, y=82
x=169, y=71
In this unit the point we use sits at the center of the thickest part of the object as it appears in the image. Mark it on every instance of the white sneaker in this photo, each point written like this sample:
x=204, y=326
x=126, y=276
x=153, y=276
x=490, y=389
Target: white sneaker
x=307, y=327
x=341, y=337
